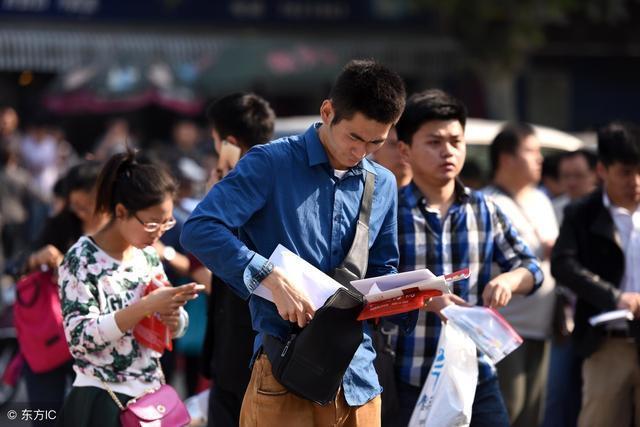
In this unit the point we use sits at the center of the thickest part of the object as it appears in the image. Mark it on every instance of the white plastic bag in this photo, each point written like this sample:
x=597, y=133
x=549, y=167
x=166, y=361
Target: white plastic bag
x=447, y=395
x=491, y=333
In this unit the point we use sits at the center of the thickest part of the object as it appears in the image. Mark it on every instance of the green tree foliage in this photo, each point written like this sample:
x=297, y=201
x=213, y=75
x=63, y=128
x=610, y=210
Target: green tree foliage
x=502, y=33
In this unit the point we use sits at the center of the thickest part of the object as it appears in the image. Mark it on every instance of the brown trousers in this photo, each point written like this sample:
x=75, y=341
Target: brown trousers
x=267, y=403
x=611, y=385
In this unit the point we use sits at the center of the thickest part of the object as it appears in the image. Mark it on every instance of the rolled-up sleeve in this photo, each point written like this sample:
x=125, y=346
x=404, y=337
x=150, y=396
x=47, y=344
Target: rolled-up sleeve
x=383, y=254
x=511, y=251
x=208, y=233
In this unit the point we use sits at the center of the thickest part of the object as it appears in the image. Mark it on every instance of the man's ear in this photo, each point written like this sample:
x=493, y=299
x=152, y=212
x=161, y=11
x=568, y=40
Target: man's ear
x=404, y=150
x=601, y=170
x=232, y=140
x=121, y=212
x=217, y=143
x=326, y=112
x=504, y=160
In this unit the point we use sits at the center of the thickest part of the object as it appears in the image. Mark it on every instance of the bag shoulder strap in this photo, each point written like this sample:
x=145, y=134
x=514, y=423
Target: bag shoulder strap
x=357, y=259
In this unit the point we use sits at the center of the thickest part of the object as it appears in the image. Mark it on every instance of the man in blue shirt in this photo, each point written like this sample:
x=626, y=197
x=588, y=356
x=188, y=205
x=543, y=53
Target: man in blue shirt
x=444, y=226
x=304, y=192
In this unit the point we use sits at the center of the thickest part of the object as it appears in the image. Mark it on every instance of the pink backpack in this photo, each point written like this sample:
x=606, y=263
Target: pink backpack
x=38, y=320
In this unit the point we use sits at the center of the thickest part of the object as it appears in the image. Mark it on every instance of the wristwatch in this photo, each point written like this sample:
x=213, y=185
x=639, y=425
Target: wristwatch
x=168, y=253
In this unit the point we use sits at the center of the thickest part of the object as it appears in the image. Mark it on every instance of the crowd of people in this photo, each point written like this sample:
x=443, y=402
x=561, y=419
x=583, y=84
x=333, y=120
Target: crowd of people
x=547, y=254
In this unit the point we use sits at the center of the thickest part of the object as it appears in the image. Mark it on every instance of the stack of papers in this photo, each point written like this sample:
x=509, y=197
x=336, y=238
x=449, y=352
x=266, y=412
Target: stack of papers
x=316, y=284
x=610, y=316
x=400, y=293
x=384, y=295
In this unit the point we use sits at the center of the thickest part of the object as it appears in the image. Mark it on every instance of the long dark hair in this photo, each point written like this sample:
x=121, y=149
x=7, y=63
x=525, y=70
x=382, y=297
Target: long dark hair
x=133, y=180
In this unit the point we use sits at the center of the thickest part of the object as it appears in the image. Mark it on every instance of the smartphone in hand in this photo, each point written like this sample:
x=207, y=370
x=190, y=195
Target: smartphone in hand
x=198, y=287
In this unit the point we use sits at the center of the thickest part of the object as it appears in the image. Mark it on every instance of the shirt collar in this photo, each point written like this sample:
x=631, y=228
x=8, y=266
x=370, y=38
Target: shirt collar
x=318, y=156
x=614, y=209
x=315, y=150
x=415, y=196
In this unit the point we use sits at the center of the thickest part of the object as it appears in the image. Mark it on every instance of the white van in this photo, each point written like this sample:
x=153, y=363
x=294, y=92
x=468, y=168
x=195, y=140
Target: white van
x=478, y=134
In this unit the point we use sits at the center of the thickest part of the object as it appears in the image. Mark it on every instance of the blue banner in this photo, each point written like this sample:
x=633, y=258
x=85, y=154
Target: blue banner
x=218, y=11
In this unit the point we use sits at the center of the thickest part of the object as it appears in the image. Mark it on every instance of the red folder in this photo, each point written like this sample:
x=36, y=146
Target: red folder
x=412, y=298
x=150, y=331
x=402, y=304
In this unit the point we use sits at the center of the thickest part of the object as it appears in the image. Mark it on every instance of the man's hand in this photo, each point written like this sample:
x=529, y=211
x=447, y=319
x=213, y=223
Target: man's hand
x=436, y=304
x=497, y=293
x=630, y=301
x=292, y=303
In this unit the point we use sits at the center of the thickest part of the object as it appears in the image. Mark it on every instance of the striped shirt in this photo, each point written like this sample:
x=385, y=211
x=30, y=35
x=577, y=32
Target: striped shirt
x=474, y=233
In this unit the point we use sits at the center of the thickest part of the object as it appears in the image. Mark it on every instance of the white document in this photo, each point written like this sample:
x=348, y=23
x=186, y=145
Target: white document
x=611, y=316
x=391, y=286
x=317, y=285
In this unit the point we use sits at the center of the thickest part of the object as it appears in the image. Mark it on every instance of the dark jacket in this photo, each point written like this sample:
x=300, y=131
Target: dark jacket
x=228, y=345
x=588, y=259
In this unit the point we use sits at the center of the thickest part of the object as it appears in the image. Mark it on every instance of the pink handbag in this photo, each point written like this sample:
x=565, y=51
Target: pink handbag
x=159, y=408
x=38, y=320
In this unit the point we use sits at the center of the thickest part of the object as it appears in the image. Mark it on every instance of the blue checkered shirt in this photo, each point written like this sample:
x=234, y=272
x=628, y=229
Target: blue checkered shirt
x=475, y=234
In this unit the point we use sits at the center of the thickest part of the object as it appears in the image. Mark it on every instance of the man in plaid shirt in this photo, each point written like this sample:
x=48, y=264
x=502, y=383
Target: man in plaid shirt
x=444, y=226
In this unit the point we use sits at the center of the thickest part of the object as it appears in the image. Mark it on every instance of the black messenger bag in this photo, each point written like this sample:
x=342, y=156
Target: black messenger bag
x=313, y=360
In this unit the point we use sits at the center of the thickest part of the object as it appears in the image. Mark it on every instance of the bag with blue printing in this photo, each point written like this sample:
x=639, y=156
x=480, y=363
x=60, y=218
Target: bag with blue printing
x=447, y=394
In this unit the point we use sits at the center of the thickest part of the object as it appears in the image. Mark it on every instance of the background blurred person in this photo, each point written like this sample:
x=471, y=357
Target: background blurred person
x=390, y=157
x=39, y=155
x=577, y=176
x=77, y=218
x=596, y=256
x=181, y=268
x=549, y=180
x=186, y=142
x=10, y=136
x=516, y=163
x=242, y=120
x=116, y=138
x=67, y=155
x=472, y=175
x=18, y=200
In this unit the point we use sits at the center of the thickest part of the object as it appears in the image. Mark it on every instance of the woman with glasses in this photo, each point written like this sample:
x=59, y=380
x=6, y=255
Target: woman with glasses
x=103, y=286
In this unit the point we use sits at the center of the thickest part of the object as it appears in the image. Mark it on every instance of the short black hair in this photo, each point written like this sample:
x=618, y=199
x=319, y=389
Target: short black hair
x=82, y=176
x=550, y=165
x=245, y=116
x=428, y=105
x=588, y=155
x=619, y=142
x=133, y=180
x=508, y=141
x=369, y=88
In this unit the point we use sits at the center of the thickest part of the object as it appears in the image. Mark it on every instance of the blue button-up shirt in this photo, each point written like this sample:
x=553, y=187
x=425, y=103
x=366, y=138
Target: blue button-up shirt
x=286, y=192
